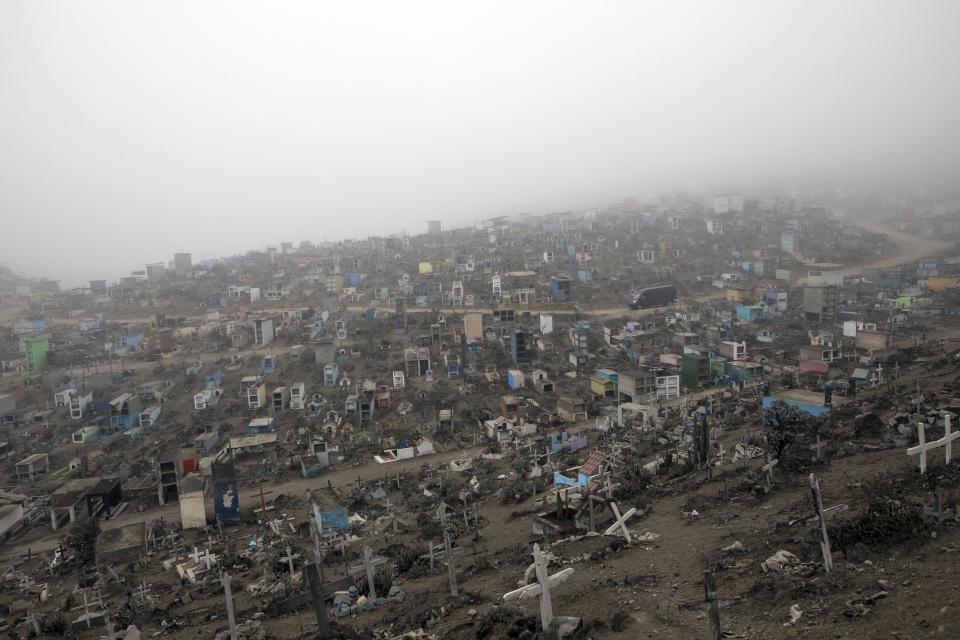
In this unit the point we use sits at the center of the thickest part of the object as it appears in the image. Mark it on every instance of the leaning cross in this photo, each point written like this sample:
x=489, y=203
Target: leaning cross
x=544, y=583
x=824, y=540
x=621, y=522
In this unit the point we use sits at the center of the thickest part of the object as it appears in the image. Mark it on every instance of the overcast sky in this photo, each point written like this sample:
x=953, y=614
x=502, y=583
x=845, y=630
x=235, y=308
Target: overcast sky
x=130, y=130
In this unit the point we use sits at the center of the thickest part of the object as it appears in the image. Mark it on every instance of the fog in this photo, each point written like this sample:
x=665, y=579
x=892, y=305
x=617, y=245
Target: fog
x=131, y=130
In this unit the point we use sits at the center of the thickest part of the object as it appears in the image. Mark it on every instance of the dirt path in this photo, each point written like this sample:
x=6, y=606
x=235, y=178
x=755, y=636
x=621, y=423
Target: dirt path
x=909, y=248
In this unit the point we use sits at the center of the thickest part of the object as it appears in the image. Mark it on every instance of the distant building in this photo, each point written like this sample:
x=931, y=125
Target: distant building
x=434, y=227
x=156, y=271
x=819, y=303
x=182, y=264
x=788, y=242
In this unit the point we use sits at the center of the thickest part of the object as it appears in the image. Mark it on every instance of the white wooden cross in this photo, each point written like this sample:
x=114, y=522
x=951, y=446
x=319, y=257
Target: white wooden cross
x=541, y=588
x=948, y=438
x=769, y=469
x=924, y=446
x=817, y=448
x=621, y=522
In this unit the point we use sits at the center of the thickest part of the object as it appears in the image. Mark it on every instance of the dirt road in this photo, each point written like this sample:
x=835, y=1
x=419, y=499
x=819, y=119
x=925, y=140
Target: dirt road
x=909, y=248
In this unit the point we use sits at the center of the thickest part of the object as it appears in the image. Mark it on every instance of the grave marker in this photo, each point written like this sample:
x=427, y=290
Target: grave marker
x=228, y=596
x=621, y=522
x=946, y=442
x=769, y=469
x=370, y=564
x=541, y=588
x=824, y=539
x=818, y=447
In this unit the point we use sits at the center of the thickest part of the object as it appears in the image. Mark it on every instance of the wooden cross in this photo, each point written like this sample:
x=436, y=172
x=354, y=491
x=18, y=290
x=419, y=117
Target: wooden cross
x=430, y=554
x=824, y=539
x=289, y=558
x=924, y=446
x=948, y=437
x=769, y=469
x=451, y=567
x=263, y=499
x=32, y=620
x=713, y=610
x=541, y=588
x=817, y=448
x=228, y=596
x=370, y=564
x=621, y=522
x=86, y=607
x=466, y=522
x=442, y=514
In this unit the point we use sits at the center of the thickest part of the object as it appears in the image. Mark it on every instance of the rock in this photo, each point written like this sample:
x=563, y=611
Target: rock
x=779, y=561
x=794, y=614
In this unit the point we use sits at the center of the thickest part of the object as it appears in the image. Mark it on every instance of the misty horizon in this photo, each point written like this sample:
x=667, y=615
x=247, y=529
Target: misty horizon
x=133, y=131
